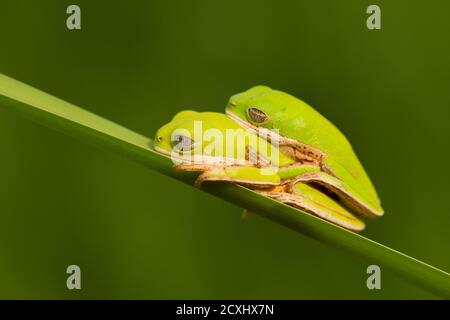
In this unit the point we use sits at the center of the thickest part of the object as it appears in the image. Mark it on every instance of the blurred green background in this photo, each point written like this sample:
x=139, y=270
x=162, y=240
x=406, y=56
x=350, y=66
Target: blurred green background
x=138, y=234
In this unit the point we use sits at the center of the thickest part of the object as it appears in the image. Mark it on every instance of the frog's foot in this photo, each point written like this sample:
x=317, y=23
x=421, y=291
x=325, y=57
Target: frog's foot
x=352, y=199
x=313, y=201
x=208, y=172
x=246, y=214
x=201, y=167
x=215, y=174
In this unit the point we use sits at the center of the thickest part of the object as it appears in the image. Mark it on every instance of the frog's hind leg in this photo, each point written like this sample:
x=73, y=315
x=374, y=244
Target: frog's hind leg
x=313, y=201
x=253, y=177
x=354, y=200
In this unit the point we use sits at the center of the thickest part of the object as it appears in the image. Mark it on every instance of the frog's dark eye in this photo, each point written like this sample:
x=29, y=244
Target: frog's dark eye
x=257, y=116
x=182, y=143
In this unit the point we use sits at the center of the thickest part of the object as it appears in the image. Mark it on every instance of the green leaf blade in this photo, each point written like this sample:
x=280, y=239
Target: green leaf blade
x=79, y=123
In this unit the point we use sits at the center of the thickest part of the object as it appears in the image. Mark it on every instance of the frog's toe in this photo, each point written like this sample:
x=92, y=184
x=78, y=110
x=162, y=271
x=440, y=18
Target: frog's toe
x=246, y=214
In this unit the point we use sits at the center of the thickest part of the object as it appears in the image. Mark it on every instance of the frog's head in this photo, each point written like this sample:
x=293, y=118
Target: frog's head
x=197, y=133
x=178, y=133
x=257, y=107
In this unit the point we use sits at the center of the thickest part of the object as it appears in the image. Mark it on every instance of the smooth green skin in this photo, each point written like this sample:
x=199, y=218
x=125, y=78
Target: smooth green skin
x=301, y=196
x=297, y=120
x=184, y=120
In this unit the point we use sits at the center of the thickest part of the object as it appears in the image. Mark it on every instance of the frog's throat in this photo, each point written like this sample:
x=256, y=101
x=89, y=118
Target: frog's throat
x=202, y=159
x=292, y=147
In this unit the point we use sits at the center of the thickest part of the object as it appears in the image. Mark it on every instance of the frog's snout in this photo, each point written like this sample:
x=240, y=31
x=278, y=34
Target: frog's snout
x=158, y=140
x=230, y=106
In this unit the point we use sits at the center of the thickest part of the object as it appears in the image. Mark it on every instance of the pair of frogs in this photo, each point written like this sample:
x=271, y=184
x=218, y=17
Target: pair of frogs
x=276, y=145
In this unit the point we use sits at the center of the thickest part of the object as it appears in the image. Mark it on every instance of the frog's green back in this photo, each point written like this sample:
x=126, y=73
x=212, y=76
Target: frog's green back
x=297, y=120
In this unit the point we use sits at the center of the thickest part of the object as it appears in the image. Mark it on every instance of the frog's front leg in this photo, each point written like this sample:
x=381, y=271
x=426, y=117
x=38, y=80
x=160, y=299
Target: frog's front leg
x=208, y=172
x=313, y=201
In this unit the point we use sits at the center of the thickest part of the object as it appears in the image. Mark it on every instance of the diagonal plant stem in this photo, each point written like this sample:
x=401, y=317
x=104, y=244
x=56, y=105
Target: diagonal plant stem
x=70, y=119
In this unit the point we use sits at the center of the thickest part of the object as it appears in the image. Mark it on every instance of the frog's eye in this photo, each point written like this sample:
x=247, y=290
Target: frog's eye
x=182, y=143
x=257, y=116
